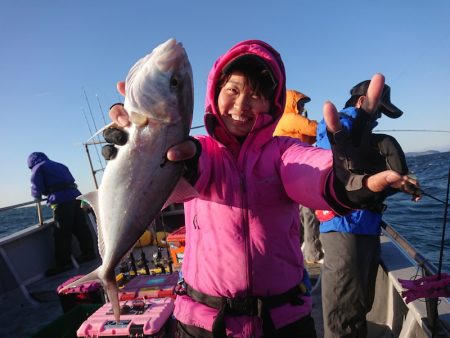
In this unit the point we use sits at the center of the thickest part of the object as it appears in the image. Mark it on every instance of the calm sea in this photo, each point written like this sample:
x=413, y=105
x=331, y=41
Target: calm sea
x=20, y=218
x=421, y=223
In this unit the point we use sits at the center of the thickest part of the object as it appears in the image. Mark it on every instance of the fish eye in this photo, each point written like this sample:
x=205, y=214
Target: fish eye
x=173, y=82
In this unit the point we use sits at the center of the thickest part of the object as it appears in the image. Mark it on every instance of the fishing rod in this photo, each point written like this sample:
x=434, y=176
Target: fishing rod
x=101, y=109
x=441, y=253
x=143, y=259
x=93, y=121
x=90, y=131
x=444, y=226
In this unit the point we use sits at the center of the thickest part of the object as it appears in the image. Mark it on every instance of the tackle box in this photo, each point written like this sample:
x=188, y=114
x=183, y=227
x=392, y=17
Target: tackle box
x=150, y=286
x=86, y=293
x=176, y=242
x=139, y=318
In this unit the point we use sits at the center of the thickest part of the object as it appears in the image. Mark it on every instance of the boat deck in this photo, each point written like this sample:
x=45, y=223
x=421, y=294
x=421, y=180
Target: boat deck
x=20, y=318
x=23, y=314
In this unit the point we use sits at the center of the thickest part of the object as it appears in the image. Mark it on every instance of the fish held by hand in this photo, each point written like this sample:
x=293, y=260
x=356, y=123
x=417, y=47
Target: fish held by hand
x=138, y=182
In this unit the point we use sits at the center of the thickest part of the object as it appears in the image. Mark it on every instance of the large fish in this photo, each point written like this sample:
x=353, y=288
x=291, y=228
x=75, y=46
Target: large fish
x=139, y=180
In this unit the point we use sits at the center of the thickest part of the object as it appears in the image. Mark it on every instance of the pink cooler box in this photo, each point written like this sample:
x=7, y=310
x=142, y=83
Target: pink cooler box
x=87, y=293
x=145, y=286
x=139, y=318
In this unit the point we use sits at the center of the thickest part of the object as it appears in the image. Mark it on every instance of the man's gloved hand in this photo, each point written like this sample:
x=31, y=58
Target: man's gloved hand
x=355, y=157
x=360, y=153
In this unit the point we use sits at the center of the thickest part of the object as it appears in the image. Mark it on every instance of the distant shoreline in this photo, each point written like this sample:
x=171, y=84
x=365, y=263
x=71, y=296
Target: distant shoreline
x=420, y=153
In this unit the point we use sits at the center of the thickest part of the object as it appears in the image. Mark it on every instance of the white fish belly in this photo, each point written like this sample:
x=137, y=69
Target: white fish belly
x=134, y=188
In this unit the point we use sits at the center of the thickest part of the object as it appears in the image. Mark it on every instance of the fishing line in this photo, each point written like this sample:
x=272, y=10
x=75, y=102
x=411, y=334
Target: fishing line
x=169, y=256
x=101, y=110
x=197, y=127
x=444, y=226
x=414, y=130
x=432, y=197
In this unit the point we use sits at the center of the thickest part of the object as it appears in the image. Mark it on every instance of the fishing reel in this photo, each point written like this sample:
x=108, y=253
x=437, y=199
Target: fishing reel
x=123, y=275
x=142, y=263
x=160, y=261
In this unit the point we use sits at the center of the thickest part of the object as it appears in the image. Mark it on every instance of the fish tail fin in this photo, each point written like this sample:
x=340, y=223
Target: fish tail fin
x=109, y=125
x=113, y=294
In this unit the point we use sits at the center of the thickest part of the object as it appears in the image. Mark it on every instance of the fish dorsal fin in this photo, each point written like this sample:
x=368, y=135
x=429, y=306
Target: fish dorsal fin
x=92, y=199
x=183, y=192
x=110, y=125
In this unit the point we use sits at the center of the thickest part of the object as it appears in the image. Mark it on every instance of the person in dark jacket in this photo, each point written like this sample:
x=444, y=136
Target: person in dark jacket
x=55, y=181
x=352, y=242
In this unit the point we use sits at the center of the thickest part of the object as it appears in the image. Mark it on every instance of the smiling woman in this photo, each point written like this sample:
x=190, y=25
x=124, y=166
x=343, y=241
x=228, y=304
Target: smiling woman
x=239, y=104
x=245, y=90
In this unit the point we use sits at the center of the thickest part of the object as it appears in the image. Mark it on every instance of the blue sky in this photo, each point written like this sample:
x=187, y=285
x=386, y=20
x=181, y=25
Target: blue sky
x=60, y=61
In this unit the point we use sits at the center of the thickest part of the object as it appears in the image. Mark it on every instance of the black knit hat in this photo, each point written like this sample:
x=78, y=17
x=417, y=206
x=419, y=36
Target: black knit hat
x=253, y=63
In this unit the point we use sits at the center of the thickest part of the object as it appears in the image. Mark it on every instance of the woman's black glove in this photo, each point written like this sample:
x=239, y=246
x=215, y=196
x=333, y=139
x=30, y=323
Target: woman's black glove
x=360, y=153
x=116, y=136
x=191, y=165
x=113, y=136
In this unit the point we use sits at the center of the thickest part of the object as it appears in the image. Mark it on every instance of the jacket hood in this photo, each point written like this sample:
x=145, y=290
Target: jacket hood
x=36, y=158
x=292, y=97
x=256, y=48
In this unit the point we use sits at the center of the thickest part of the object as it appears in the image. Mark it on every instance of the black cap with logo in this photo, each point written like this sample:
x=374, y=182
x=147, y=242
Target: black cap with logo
x=386, y=106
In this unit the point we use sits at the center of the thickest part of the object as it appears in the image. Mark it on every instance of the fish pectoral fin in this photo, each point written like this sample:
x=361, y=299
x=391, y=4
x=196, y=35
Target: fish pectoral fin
x=183, y=192
x=92, y=199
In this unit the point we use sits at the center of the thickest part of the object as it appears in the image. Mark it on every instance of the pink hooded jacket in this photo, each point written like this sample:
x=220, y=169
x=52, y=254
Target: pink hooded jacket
x=242, y=231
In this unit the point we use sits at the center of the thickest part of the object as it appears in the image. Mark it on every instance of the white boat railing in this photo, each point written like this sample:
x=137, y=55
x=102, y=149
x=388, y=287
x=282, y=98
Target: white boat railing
x=33, y=243
x=428, y=267
x=38, y=208
x=423, y=267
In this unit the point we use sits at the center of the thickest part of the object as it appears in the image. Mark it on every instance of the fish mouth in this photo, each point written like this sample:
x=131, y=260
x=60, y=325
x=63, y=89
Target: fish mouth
x=160, y=84
x=171, y=53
